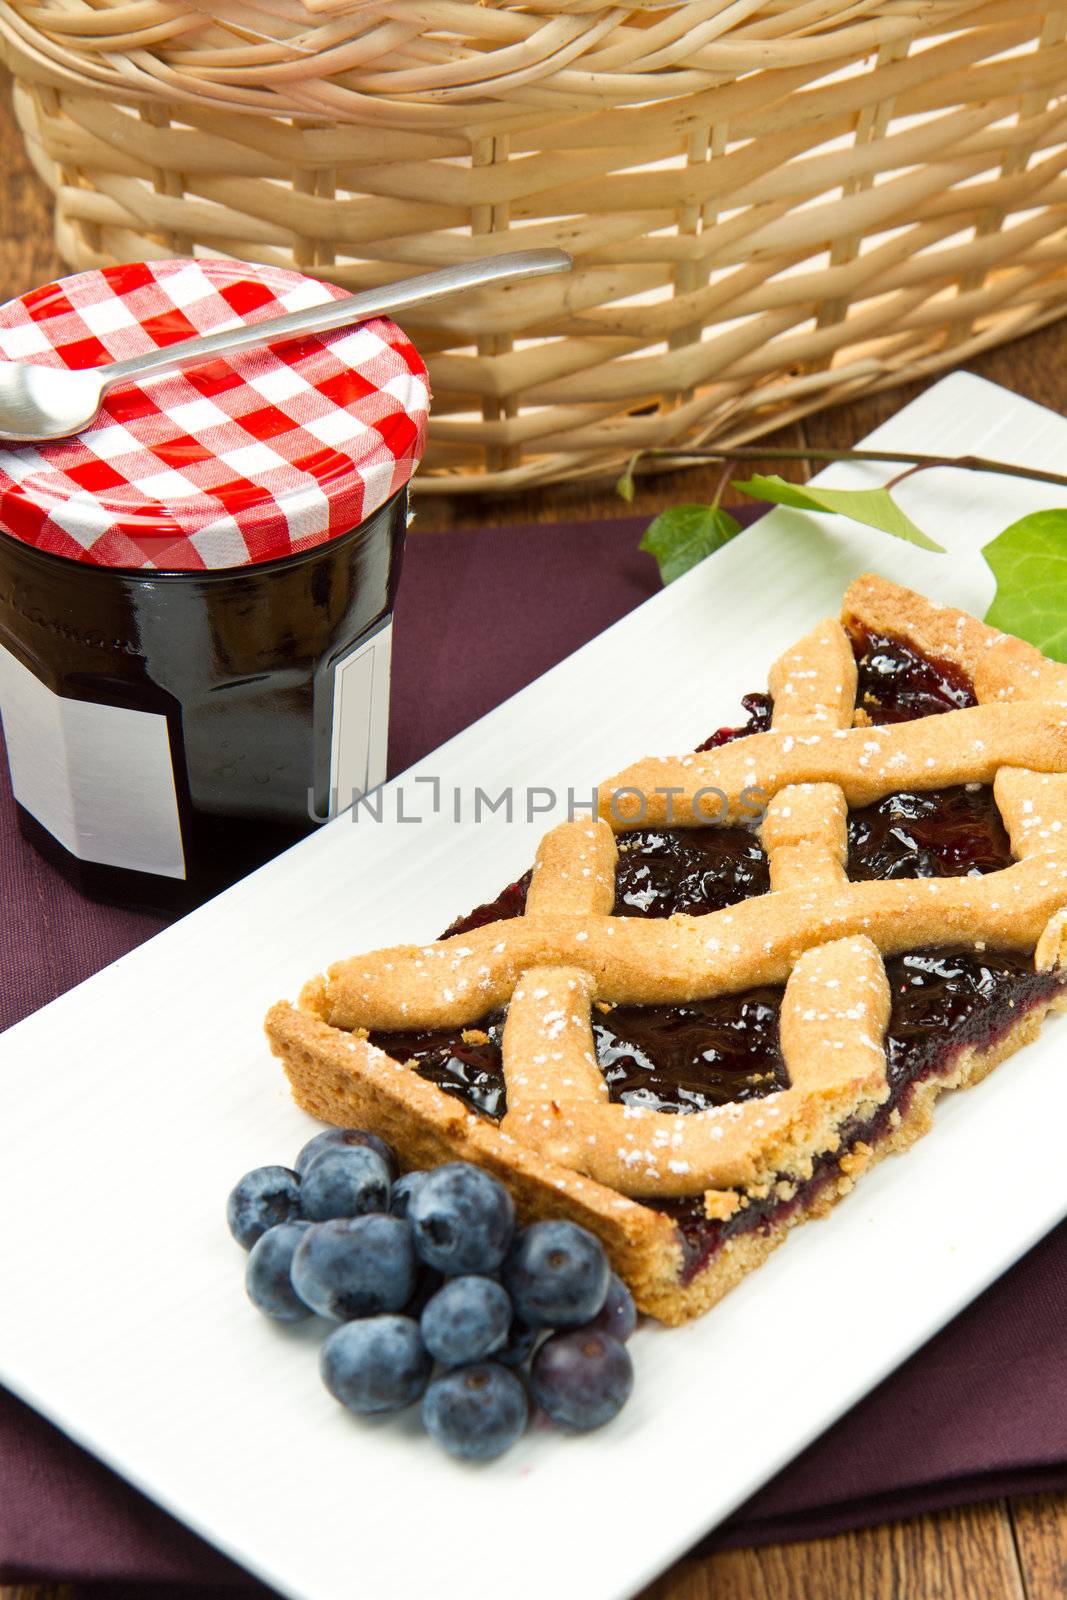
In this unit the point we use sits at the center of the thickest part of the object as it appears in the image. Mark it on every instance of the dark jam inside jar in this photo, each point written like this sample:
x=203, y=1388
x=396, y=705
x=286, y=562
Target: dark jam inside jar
x=238, y=664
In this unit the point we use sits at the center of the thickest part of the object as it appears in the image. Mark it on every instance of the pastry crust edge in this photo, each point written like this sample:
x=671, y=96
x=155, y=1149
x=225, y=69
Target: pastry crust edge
x=335, y=1078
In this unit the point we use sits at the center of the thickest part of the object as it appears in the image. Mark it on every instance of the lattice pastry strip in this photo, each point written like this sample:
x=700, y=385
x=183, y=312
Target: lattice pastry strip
x=454, y=984
x=817, y=933
x=833, y=1017
x=833, y=1014
x=805, y=835
x=557, y=1098
x=805, y=831
x=609, y=959
x=866, y=762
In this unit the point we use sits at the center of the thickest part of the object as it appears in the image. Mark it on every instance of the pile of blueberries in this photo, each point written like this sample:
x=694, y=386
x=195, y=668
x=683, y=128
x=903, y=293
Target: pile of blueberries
x=438, y=1295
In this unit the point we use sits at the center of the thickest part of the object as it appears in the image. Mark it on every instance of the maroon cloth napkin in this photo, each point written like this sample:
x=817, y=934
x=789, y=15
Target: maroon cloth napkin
x=981, y=1411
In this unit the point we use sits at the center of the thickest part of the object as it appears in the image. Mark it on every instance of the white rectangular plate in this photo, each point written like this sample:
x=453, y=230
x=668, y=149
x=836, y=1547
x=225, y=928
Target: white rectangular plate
x=129, y=1107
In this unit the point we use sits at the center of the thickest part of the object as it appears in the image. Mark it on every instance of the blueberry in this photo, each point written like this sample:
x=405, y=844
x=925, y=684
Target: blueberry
x=618, y=1315
x=345, y=1183
x=403, y=1189
x=355, y=1266
x=262, y=1199
x=522, y=1342
x=427, y=1283
x=475, y=1413
x=379, y=1364
x=345, y=1139
x=557, y=1275
x=466, y=1320
x=267, y=1274
x=581, y=1379
x=463, y=1219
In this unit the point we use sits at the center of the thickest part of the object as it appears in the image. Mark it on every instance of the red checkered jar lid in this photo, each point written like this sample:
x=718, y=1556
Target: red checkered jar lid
x=262, y=455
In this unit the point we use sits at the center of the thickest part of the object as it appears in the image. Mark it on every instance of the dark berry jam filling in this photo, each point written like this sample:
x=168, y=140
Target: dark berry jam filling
x=690, y=1057
x=510, y=902
x=944, y=1001
x=666, y=1058
x=664, y=870
x=687, y=1058
x=760, y=708
x=974, y=995
x=660, y=871
x=946, y=833
x=898, y=683
x=695, y=870
x=464, y=1062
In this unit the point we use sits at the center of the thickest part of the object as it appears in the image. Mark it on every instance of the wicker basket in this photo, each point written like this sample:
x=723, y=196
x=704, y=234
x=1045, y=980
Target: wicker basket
x=773, y=204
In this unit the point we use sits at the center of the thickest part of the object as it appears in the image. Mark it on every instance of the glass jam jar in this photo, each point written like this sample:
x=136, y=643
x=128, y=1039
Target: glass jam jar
x=196, y=592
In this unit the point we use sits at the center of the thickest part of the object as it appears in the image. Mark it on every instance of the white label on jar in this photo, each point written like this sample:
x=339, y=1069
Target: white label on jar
x=98, y=778
x=360, y=719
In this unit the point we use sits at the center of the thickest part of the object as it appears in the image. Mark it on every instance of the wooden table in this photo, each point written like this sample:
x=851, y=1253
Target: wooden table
x=1003, y=1550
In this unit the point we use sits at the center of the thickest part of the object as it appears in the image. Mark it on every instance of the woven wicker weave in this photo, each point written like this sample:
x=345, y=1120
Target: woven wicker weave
x=772, y=204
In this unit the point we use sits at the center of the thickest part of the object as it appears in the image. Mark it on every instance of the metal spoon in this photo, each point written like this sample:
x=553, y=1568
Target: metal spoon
x=52, y=402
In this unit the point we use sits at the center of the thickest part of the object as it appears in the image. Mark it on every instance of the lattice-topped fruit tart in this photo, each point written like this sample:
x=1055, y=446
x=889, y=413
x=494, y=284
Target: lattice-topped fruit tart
x=691, y=1034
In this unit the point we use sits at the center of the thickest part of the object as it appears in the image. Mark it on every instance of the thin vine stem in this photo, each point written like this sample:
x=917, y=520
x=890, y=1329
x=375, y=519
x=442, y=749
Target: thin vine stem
x=723, y=484
x=913, y=461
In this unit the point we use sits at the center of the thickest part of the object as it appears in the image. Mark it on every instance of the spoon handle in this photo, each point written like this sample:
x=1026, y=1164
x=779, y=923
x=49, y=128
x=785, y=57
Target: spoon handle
x=393, y=297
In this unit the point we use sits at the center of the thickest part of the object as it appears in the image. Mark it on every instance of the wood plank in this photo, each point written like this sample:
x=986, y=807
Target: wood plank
x=32, y=1592
x=967, y=1554
x=1040, y=1525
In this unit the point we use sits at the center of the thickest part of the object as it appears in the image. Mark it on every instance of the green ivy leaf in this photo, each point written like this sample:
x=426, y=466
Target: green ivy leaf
x=875, y=507
x=1029, y=562
x=684, y=535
